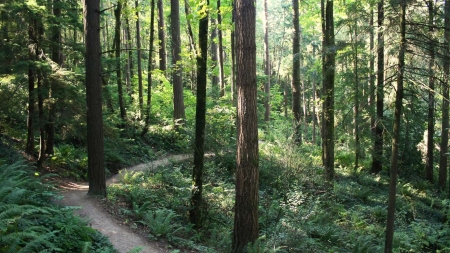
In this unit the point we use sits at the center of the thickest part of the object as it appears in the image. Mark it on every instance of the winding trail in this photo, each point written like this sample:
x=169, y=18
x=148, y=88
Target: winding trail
x=121, y=236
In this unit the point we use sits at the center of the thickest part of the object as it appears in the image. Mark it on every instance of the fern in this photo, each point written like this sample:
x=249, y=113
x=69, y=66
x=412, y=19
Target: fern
x=161, y=221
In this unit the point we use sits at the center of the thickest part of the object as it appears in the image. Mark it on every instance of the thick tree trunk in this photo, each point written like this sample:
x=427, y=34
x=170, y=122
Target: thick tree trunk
x=430, y=138
x=296, y=91
x=247, y=175
x=329, y=59
x=118, y=14
x=96, y=170
x=377, y=156
x=178, y=99
x=195, y=214
x=266, y=64
x=396, y=132
x=161, y=37
x=149, y=68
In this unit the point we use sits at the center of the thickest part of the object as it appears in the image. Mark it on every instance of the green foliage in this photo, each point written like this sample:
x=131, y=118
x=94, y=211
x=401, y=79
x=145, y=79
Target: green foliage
x=30, y=223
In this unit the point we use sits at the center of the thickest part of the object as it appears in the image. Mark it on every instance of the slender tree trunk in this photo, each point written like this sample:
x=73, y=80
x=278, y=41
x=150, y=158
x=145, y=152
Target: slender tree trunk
x=372, y=88
x=430, y=138
x=296, y=91
x=214, y=58
x=161, y=37
x=195, y=214
x=233, y=55
x=40, y=91
x=314, y=98
x=329, y=62
x=178, y=99
x=356, y=99
x=32, y=40
x=396, y=132
x=56, y=57
x=129, y=68
x=189, y=28
x=118, y=14
x=266, y=63
x=445, y=103
x=96, y=170
x=377, y=157
x=149, y=69
x=220, y=37
x=247, y=175
x=139, y=61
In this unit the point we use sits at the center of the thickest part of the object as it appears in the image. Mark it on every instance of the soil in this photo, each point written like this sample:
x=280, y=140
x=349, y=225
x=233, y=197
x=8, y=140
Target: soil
x=93, y=210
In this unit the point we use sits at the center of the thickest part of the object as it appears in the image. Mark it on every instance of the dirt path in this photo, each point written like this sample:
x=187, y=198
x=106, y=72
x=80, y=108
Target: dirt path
x=121, y=236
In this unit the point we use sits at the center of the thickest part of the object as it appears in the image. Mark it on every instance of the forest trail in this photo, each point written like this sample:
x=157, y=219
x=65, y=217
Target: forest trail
x=121, y=236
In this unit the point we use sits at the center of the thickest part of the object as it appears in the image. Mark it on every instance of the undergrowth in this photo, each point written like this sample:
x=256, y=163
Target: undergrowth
x=29, y=222
x=297, y=213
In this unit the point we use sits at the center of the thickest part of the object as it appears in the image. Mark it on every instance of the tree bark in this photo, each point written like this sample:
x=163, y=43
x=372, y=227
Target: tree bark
x=195, y=214
x=296, y=91
x=139, y=60
x=96, y=170
x=178, y=99
x=233, y=56
x=214, y=59
x=430, y=140
x=32, y=40
x=442, y=182
x=396, y=132
x=377, y=156
x=372, y=88
x=247, y=159
x=356, y=98
x=117, y=14
x=161, y=37
x=329, y=62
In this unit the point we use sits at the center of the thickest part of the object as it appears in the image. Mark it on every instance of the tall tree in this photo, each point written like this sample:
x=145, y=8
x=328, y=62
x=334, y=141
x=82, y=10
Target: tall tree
x=356, y=95
x=377, y=155
x=139, y=60
x=32, y=41
x=328, y=72
x=296, y=92
x=266, y=63
x=161, y=37
x=430, y=136
x=372, y=73
x=117, y=43
x=396, y=132
x=247, y=158
x=220, y=48
x=178, y=99
x=195, y=214
x=149, y=67
x=445, y=103
x=96, y=170
x=233, y=54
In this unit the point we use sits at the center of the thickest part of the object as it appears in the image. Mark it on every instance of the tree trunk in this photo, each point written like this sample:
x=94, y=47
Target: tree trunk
x=161, y=37
x=377, y=156
x=220, y=37
x=372, y=88
x=445, y=93
x=214, y=58
x=247, y=175
x=233, y=56
x=149, y=69
x=178, y=99
x=40, y=91
x=96, y=170
x=356, y=98
x=139, y=61
x=129, y=67
x=296, y=92
x=189, y=28
x=266, y=63
x=396, y=132
x=32, y=40
x=195, y=214
x=430, y=141
x=117, y=14
x=329, y=62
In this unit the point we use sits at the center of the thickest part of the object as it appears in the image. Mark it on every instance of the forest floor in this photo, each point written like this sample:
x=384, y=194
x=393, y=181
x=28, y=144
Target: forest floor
x=93, y=210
